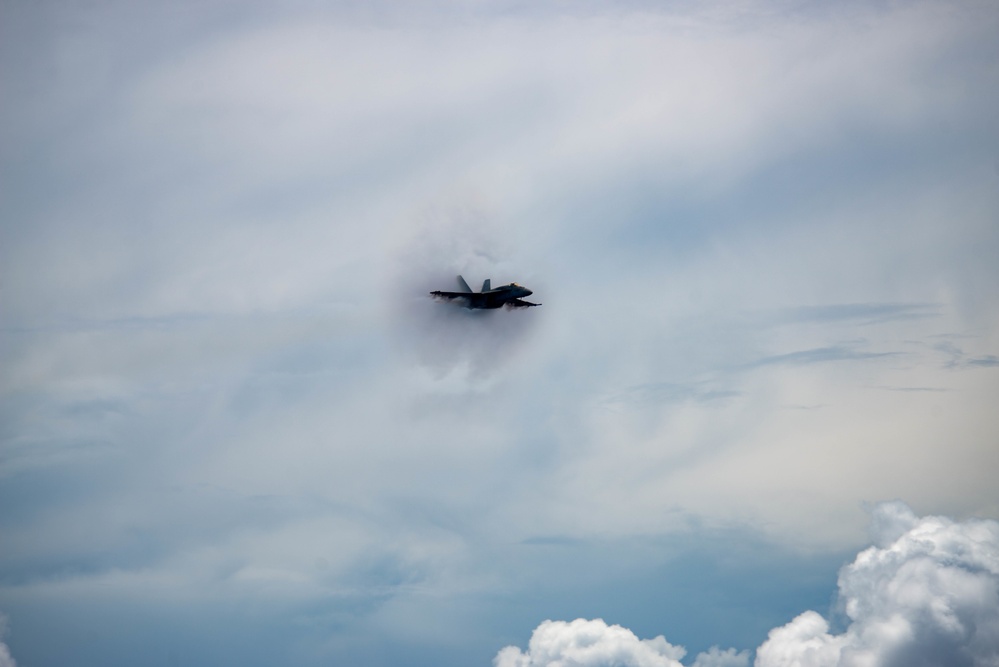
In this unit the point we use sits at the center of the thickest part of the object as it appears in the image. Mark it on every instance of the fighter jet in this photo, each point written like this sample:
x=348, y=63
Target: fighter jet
x=507, y=295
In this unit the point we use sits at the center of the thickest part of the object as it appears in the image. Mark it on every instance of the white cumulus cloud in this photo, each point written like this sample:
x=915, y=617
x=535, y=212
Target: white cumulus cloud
x=6, y=659
x=584, y=643
x=926, y=594
x=715, y=657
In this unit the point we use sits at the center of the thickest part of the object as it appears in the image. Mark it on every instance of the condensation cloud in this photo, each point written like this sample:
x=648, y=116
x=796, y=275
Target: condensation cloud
x=444, y=241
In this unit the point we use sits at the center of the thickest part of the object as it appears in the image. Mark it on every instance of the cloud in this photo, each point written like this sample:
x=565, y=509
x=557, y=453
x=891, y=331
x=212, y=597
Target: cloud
x=659, y=393
x=6, y=660
x=818, y=355
x=925, y=594
x=988, y=361
x=209, y=384
x=715, y=657
x=584, y=643
x=862, y=313
x=957, y=358
x=459, y=237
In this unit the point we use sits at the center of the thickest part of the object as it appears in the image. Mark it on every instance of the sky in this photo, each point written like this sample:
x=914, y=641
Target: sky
x=753, y=422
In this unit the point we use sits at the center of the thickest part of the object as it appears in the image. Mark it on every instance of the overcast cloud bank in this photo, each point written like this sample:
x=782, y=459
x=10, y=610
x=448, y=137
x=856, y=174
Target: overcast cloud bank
x=232, y=421
x=925, y=595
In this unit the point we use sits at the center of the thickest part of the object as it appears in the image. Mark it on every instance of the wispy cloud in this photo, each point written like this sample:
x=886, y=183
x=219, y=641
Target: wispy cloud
x=958, y=358
x=914, y=389
x=661, y=393
x=821, y=355
x=858, y=313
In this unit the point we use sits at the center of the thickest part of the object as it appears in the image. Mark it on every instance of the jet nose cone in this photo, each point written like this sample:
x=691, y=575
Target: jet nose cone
x=527, y=292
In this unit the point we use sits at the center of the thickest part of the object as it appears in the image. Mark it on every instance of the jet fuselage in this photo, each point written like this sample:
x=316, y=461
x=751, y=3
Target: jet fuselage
x=488, y=298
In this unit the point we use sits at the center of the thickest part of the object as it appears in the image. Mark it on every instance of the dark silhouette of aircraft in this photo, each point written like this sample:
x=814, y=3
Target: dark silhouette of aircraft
x=507, y=295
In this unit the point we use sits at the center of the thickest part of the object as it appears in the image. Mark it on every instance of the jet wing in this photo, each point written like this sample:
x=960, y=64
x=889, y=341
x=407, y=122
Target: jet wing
x=520, y=303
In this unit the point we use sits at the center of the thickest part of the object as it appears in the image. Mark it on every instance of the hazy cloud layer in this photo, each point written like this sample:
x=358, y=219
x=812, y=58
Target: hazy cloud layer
x=926, y=594
x=233, y=425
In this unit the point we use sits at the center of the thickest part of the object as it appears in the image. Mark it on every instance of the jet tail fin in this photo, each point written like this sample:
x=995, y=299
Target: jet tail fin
x=486, y=285
x=463, y=285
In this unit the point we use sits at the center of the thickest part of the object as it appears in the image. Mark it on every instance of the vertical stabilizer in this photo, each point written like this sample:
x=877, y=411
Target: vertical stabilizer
x=463, y=285
x=485, y=286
